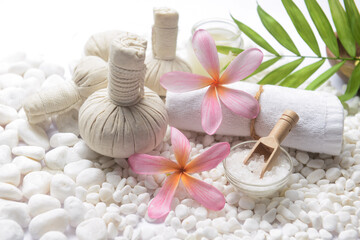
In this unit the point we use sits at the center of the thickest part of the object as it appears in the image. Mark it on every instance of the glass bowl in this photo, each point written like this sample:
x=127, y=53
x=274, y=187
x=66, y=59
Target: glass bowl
x=251, y=189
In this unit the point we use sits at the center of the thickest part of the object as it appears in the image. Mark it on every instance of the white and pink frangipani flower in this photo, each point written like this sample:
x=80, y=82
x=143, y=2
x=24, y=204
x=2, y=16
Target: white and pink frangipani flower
x=202, y=192
x=239, y=102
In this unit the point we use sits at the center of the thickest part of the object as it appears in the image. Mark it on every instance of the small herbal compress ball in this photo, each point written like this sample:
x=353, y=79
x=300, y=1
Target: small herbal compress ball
x=163, y=59
x=126, y=117
x=90, y=75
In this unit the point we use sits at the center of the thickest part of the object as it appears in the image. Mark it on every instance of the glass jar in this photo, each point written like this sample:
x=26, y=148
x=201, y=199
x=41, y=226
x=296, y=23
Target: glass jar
x=224, y=32
x=249, y=188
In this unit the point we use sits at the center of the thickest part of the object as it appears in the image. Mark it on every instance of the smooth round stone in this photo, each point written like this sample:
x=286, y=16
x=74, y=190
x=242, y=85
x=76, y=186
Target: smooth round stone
x=302, y=157
x=12, y=97
x=75, y=209
x=51, y=68
x=250, y=225
x=56, y=158
x=332, y=174
x=34, y=72
x=189, y=223
x=61, y=187
x=36, y=183
x=330, y=222
x=89, y=177
x=10, y=192
x=9, y=138
x=31, y=85
x=5, y=154
x=74, y=168
x=315, y=176
x=246, y=203
x=40, y=203
x=19, y=67
x=128, y=208
x=93, y=228
x=7, y=114
x=350, y=234
x=10, y=230
x=32, y=135
x=9, y=173
x=33, y=152
x=19, y=212
x=54, y=235
x=182, y=211
x=84, y=151
x=53, y=220
x=10, y=80
x=63, y=139
x=26, y=165
x=356, y=176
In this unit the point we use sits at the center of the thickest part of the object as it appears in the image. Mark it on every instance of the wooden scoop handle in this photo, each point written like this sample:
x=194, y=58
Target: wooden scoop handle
x=287, y=120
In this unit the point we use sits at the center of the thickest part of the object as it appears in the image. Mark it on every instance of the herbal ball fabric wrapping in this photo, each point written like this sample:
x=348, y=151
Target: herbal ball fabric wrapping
x=319, y=129
x=125, y=118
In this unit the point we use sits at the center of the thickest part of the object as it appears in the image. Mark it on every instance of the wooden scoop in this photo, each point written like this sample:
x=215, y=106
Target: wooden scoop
x=269, y=146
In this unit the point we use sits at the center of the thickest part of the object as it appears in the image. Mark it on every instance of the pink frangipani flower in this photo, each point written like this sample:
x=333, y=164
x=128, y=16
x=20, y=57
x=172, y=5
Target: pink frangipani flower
x=202, y=192
x=239, y=102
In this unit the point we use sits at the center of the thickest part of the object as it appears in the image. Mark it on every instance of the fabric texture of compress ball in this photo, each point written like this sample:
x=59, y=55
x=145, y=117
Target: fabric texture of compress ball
x=163, y=59
x=126, y=117
x=89, y=76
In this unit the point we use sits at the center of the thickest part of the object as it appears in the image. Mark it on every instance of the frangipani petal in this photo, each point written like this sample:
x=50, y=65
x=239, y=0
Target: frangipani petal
x=160, y=205
x=181, y=147
x=180, y=82
x=205, y=50
x=204, y=193
x=209, y=159
x=242, y=66
x=147, y=164
x=239, y=102
x=211, y=115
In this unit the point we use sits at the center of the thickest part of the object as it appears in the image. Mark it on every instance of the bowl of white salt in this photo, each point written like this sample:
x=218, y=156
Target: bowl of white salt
x=246, y=178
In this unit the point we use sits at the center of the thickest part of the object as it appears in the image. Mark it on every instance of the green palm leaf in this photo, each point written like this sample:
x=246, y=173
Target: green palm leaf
x=323, y=26
x=277, y=31
x=353, y=85
x=255, y=37
x=324, y=76
x=264, y=66
x=226, y=50
x=342, y=27
x=281, y=72
x=297, y=78
x=301, y=25
x=354, y=18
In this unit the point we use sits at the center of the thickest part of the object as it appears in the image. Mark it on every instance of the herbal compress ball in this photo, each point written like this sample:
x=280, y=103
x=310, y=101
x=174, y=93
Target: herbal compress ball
x=163, y=59
x=126, y=117
x=90, y=75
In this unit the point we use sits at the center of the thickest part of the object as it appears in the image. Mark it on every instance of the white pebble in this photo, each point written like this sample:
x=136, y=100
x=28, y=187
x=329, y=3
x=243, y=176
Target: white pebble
x=233, y=197
x=93, y=228
x=19, y=67
x=50, y=68
x=182, y=211
x=246, y=203
x=75, y=209
x=12, y=97
x=58, y=157
x=332, y=174
x=34, y=72
x=40, y=203
x=201, y=213
x=19, y=212
x=293, y=195
x=26, y=165
x=89, y=177
x=9, y=173
x=286, y=213
x=245, y=214
x=105, y=194
x=132, y=219
x=330, y=222
x=34, y=152
x=113, y=232
x=63, y=139
x=250, y=225
x=325, y=235
x=54, y=235
x=68, y=122
x=9, y=138
x=10, y=230
x=10, y=80
x=189, y=223
x=5, y=154
x=10, y=192
x=348, y=235
x=128, y=208
x=207, y=140
x=356, y=176
x=289, y=229
x=119, y=194
x=36, y=182
x=315, y=176
x=270, y=215
x=53, y=220
x=316, y=163
x=74, y=168
x=93, y=198
x=7, y=114
x=61, y=187
x=302, y=157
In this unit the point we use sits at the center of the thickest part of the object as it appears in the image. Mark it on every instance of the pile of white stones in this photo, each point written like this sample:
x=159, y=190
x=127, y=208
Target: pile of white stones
x=53, y=186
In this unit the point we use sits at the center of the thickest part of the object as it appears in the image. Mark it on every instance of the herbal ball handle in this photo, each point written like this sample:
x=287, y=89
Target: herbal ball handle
x=127, y=70
x=284, y=125
x=164, y=33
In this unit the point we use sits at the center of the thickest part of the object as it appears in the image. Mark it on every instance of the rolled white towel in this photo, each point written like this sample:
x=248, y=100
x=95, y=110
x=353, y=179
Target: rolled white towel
x=319, y=129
